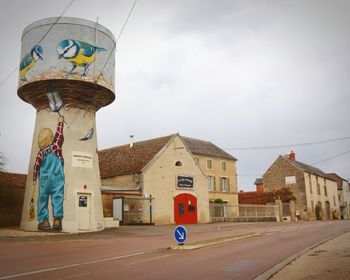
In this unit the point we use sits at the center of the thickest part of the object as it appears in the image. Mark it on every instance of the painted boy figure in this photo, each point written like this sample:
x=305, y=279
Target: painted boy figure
x=49, y=168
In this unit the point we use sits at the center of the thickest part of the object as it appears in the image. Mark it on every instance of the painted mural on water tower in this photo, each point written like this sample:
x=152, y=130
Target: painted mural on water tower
x=76, y=52
x=67, y=81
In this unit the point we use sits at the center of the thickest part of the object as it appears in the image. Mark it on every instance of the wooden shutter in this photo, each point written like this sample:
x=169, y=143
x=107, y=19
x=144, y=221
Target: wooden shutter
x=214, y=180
x=228, y=184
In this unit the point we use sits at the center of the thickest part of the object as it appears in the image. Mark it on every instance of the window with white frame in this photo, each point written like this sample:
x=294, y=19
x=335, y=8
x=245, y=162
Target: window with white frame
x=211, y=186
x=224, y=184
x=318, y=189
x=310, y=183
x=209, y=164
x=318, y=186
x=223, y=166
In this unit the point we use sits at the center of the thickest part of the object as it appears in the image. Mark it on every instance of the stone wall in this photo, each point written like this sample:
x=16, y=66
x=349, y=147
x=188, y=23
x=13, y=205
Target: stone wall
x=274, y=178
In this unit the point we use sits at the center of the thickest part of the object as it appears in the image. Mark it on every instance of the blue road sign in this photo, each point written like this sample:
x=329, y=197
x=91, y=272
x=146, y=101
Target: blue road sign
x=180, y=234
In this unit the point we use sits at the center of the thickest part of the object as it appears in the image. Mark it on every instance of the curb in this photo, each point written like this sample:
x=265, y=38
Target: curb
x=277, y=267
x=212, y=242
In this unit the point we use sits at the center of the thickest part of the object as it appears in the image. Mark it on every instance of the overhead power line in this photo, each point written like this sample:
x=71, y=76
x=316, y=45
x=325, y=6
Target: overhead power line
x=61, y=15
x=14, y=70
x=289, y=145
x=42, y=38
x=125, y=23
x=332, y=157
x=116, y=41
x=313, y=164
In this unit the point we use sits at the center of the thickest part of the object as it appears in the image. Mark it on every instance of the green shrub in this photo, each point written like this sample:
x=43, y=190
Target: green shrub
x=219, y=201
x=107, y=213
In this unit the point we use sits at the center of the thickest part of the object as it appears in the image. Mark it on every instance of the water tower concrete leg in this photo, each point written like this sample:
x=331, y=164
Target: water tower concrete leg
x=75, y=186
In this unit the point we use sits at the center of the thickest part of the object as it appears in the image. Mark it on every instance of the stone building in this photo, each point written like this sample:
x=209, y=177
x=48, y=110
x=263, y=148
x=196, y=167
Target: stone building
x=310, y=185
x=343, y=194
x=159, y=180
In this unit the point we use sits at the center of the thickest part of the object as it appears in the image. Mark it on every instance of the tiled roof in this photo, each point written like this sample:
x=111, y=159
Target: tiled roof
x=306, y=167
x=205, y=148
x=124, y=160
x=13, y=179
x=259, y=181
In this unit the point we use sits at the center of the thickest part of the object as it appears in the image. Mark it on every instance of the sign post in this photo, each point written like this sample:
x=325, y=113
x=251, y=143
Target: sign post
x=180, y=234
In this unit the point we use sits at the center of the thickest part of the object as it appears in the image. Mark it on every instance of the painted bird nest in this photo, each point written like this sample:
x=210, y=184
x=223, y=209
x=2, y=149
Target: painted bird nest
x=74, y=91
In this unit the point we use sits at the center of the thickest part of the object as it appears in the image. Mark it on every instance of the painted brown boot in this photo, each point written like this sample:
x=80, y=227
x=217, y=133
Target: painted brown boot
x=57, y=224
x=44, y=226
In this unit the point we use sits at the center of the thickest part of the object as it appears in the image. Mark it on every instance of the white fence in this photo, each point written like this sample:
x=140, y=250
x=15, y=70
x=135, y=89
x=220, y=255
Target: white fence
x=243, y=213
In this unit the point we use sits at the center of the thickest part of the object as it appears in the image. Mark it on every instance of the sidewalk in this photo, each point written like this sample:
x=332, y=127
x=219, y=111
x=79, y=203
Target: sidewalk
x=330, y=260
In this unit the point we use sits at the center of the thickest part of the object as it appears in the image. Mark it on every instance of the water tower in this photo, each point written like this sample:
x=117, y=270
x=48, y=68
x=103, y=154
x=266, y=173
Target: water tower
x=67, y=74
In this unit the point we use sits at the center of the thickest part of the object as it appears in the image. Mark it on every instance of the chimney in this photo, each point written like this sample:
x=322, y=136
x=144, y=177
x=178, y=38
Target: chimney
x=292, y=155
x=131, y=141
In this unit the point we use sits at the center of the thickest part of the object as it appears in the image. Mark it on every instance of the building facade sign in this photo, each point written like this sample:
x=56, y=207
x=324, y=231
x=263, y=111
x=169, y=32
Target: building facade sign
x=185, y=182
x=82, y=159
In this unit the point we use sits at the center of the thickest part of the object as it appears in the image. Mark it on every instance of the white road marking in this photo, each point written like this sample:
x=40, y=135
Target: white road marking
x=75, y=276
x=288, y=230
x=147, y=260
x=70, y=265
x=292, y=227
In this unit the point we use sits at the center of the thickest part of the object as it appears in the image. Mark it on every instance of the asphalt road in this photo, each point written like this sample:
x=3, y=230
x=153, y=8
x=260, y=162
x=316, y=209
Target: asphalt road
x=142, y=253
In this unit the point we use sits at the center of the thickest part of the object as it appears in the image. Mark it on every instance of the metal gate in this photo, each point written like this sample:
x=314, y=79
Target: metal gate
x=118, y=209
x=138, y=210
x=243, y=213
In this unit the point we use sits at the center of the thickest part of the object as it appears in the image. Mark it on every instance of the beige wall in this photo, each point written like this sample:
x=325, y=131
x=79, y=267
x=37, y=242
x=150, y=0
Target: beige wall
x=313, y=196
x=159, y=180
x=231, y=196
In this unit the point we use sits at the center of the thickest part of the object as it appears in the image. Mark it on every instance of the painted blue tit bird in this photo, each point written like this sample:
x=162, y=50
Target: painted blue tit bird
x=89, y=135
x=29, y=60
x=78, y=53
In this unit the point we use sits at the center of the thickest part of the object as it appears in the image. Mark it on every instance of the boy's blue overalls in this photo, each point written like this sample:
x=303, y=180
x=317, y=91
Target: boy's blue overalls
x=51, y=178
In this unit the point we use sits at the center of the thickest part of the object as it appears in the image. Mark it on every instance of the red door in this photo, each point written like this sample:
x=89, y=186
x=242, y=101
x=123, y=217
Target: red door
x=185, y=209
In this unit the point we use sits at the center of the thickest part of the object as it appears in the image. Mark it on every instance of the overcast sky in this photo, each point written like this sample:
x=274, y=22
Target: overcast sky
x=236, y=73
